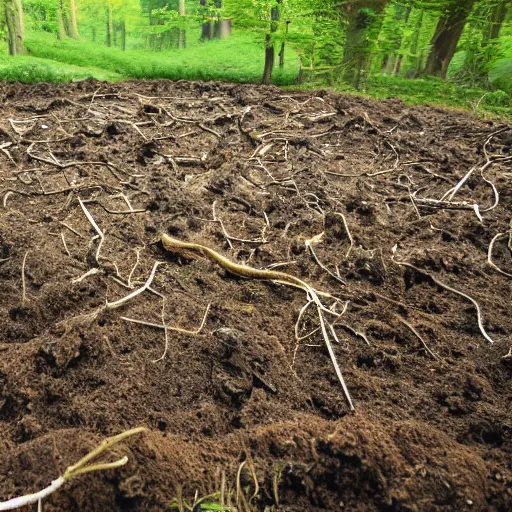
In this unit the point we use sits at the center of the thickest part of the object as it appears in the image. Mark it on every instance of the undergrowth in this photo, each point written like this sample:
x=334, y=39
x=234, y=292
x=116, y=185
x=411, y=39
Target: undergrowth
x=236, y=59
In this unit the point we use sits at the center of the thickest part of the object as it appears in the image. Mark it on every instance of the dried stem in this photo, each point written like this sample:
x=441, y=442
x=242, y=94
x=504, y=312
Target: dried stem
x=453, y=290
x=23, y=281
x=80, y=468
x=417, y=334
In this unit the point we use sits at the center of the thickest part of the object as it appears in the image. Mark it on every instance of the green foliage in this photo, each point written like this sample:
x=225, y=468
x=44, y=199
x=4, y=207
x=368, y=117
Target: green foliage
x=339, y=43
x=236, y=59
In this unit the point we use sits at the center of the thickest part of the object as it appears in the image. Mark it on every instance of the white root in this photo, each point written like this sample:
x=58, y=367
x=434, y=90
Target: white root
x=23, y=281
x=96, y=228
x=138, y=291
x=499, y=236
x=167, y=328
x=453, y=290
x=80, y=468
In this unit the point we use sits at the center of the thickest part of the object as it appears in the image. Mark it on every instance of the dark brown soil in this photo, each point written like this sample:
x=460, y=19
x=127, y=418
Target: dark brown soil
x=427, y=435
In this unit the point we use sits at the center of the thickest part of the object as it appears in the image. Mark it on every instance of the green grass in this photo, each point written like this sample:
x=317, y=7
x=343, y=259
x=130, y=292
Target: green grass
x=236, y=59
x=434, y=91
x=29, y=69
x=440, y=92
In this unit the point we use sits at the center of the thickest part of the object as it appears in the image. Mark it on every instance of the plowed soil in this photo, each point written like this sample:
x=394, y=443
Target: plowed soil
x=240, y=406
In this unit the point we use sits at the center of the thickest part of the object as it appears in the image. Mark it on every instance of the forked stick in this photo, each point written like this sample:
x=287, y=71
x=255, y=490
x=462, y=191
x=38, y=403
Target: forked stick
x=80, y=468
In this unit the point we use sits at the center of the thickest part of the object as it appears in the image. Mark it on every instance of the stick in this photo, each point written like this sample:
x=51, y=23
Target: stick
x=23, y=284
x=489, y=254
x=80, y=468
x=453, y=290
x=417, y=334
x=96, y=228
x=147, y=284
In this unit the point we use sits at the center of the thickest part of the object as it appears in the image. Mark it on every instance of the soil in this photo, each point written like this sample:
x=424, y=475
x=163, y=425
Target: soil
x=240, y=406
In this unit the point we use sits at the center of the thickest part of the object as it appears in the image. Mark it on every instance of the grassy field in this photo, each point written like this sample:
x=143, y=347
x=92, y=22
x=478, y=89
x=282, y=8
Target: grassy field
x=236, y=59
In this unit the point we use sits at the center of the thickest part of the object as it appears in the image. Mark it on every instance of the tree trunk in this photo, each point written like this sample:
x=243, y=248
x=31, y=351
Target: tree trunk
x=73, y=26
x=414, y=45
x=497, y=18
x=60, y=21
x=269, y=46
x=225, y=28
x=14, y=21
x=399, y=56
x=122, y=30
x=281, y=52
x=364, y=20
x=269, y=61
x=446, y=37
x=109, y=24
x=181, y=7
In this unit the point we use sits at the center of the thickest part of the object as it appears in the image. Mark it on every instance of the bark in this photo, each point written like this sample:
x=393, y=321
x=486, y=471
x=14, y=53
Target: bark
x=281, y=52
x=73, y=26
x=364, y=19
x=109, y=24
x=269, y=60
x=14, y=20
x=122, y=30
x=269, y=46
x=496, y=20
x=414, y=44
x=181, y=7
x=225, y=28
x=60, y=21
x=446, y=37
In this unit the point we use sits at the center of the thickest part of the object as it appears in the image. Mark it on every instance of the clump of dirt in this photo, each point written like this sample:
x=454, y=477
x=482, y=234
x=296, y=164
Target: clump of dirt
x=91, y=174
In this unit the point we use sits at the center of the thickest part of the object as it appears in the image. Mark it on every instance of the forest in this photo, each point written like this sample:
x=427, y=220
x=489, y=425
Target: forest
x=256, y=255
x=442, y=51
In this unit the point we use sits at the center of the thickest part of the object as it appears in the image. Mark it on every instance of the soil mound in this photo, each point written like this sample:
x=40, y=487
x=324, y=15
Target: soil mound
x=399, y=215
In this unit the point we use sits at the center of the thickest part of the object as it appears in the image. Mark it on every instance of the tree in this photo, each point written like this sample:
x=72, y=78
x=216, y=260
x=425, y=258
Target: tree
x=391, y=37
x=495, y=20
x=363, y=20
x=109, y=24
x=446, y=37
x=269, y=45
x=72, y=23
x=14, y=20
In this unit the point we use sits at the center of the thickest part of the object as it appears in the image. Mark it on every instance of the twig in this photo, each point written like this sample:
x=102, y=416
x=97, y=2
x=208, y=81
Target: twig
x=417, y=334
x=80, y=468
x=166, y=328
x=23, y=283
x=138, y=291
x=347, y=230
x=309, y=247
x=177, y=246
x=489, y=254
x=73, y=230
x=96, y=228
x=453, y=290
x=137, y=251
x=230, y=238
x=90, y=272
x=64, y=243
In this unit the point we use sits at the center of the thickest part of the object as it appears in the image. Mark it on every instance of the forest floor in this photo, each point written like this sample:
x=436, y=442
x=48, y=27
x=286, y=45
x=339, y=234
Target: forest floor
x=237, y=406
